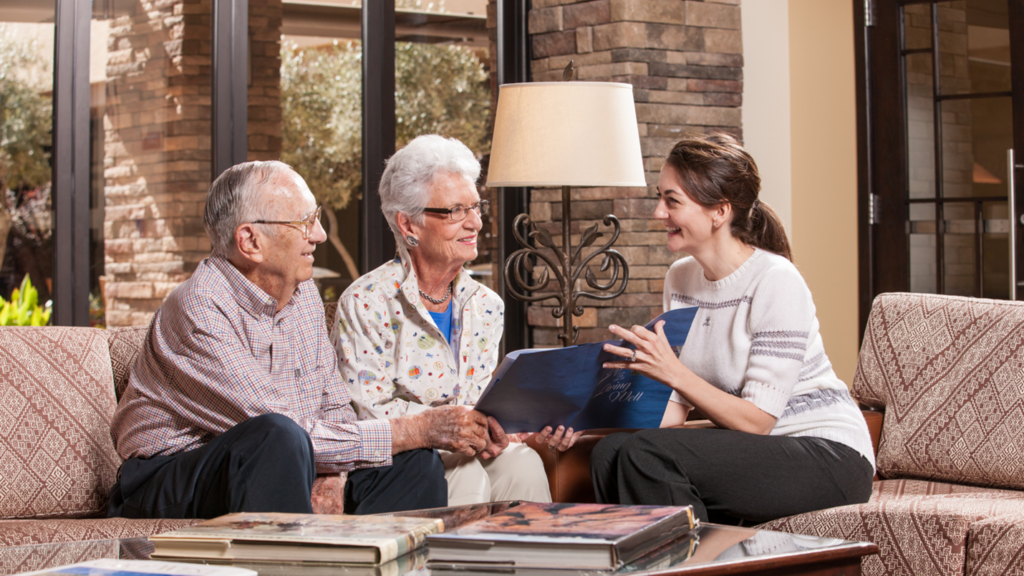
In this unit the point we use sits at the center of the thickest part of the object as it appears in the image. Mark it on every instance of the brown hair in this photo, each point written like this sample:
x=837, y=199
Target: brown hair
x=714, y=169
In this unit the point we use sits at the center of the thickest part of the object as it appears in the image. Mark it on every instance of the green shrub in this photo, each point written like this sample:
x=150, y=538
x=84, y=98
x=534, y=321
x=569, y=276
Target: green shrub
x=23, y=308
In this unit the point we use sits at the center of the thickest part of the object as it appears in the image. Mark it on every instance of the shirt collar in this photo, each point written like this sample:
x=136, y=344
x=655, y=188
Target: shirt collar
x=248, y=295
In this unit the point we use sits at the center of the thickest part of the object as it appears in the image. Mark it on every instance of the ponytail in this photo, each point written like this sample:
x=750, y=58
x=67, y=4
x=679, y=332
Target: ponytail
x=765, y=231
x=715, y=169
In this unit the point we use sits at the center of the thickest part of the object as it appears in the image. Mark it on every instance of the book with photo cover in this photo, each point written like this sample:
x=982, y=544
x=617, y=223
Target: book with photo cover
x=535, y=388
x=560, y=535
x=665, y=557
x=272, y=537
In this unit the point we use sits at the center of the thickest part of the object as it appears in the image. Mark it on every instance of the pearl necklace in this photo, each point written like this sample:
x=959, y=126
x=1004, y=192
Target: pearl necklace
x=441, y=299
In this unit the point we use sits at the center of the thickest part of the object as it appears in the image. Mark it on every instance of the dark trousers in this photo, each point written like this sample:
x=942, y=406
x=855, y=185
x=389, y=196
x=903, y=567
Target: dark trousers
x=264, y=464
x=729, y=477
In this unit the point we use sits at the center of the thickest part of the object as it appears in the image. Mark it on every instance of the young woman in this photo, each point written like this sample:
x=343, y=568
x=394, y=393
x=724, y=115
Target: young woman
x=790, y=439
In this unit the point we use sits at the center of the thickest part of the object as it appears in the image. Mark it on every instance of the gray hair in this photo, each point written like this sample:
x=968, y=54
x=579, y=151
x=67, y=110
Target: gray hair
x=235, y=199
x=405, y=185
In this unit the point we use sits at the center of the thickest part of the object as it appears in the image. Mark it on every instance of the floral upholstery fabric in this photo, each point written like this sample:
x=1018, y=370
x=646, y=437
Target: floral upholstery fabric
x=949, y=372
x=922, y=527
x=27, y=532
x=56, y=402
x=125, y=345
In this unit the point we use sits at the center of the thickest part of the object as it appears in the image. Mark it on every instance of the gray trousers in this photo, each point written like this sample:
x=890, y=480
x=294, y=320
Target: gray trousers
x=729, y=477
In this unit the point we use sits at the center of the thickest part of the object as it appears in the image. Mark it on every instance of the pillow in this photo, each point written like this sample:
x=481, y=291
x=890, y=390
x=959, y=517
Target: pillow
x=949, y=372
x=57, y=458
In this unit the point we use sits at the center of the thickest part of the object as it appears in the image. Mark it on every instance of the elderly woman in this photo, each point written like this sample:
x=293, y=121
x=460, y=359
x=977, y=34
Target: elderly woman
x=789, y=439
x=418, y=334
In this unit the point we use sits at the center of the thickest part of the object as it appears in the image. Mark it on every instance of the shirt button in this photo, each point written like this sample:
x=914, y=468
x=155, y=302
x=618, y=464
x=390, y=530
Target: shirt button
x=377, y=453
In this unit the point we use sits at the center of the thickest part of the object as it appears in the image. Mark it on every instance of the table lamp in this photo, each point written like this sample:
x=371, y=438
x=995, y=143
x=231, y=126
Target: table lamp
x=566, y=134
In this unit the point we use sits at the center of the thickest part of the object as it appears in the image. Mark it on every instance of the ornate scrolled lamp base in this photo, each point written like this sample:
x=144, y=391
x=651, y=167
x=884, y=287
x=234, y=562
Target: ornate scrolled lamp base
x=521, y=281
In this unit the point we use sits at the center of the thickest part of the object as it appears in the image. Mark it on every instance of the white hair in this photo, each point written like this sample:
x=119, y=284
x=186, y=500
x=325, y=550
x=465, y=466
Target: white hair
x=406, y=184
x=235, y=199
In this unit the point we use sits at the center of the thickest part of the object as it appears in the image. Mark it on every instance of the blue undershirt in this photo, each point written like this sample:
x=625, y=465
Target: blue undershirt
x=444, y=321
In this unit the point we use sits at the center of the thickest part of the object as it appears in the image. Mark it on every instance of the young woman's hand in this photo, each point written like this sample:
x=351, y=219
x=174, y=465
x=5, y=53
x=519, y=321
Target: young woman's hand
x=653, y=356
x=559, y=438
x=655, y=359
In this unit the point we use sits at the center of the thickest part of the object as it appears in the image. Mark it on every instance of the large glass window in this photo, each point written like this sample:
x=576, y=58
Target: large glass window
x=150, y=153
x=441, y=86
x=26, y=142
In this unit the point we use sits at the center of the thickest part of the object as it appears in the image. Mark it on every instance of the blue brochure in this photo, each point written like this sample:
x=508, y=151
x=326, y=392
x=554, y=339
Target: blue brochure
x=535, y=388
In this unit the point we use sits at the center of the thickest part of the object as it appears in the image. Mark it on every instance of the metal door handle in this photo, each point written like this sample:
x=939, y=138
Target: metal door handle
x=1013, y=223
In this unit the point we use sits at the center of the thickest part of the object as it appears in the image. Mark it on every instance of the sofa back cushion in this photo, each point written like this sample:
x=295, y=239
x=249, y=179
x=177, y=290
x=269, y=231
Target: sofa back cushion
x=949, y=372
x=125, y=345
x=56, y=404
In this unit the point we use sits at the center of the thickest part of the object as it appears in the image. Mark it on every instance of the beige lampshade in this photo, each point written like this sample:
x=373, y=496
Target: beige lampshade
x=566, y=134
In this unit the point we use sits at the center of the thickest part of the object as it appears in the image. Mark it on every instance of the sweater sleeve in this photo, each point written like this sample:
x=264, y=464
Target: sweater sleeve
x=780, y=324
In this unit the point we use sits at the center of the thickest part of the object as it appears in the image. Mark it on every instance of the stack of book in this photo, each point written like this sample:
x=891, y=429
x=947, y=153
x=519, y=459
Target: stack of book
x=561, y=536
x=245, y=537
x=493, y=537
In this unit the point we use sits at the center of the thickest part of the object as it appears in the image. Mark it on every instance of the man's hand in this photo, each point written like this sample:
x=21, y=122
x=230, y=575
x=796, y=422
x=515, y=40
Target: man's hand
x=499, y=440
x=457, y=429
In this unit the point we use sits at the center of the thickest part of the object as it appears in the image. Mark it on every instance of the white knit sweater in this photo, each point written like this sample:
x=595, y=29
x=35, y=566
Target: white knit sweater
x=756, y=336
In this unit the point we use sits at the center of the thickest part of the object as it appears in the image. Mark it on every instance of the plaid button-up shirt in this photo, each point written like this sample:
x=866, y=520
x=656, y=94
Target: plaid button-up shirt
x=218, y=353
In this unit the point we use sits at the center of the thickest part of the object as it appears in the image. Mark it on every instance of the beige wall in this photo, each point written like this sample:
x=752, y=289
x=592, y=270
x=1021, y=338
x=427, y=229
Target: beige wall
x=824, y=168
x=799, y=123
x=766, y=114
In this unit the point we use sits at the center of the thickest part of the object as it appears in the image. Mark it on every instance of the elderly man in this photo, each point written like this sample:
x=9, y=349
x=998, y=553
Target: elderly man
x=236, y=402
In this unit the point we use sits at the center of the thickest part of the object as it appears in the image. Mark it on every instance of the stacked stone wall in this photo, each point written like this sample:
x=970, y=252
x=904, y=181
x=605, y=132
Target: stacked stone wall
x=157, y=150
x=684, y=60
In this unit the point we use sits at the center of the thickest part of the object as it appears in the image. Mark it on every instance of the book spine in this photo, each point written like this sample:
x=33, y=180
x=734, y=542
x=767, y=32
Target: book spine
x=635, y=545
x=407, y=543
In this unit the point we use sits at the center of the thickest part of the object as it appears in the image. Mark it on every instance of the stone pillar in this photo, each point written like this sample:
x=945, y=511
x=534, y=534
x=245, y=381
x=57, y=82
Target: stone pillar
x=684, y=61
x=157, y=160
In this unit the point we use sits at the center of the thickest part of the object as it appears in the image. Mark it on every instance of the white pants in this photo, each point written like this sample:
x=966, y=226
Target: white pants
x=515, y=474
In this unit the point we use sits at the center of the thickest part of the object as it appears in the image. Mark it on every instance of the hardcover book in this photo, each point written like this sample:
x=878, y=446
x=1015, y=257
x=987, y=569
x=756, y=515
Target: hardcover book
x=270, y=537
x=535, y=388
x=559, y=535
x=112, y=567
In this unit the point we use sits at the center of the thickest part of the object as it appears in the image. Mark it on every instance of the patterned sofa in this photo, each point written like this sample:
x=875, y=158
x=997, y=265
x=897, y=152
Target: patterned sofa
x=58, y=390
x=949, y=374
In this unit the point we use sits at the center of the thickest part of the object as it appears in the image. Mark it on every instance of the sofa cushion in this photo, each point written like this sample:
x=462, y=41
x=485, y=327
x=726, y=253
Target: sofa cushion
x=125, y=345
x=56, y=402
x=26, y=532
x=949, y=372
x=920, y=527
x=996, y=546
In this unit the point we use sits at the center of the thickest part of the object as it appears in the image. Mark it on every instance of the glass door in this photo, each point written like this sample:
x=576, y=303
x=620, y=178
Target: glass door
x=942, y=195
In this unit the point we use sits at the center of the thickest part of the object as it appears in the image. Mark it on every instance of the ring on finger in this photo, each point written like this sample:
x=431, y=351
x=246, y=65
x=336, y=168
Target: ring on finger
x=632, y=357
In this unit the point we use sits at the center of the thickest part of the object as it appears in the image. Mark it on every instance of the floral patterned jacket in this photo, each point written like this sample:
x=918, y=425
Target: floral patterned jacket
x=392, y=355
